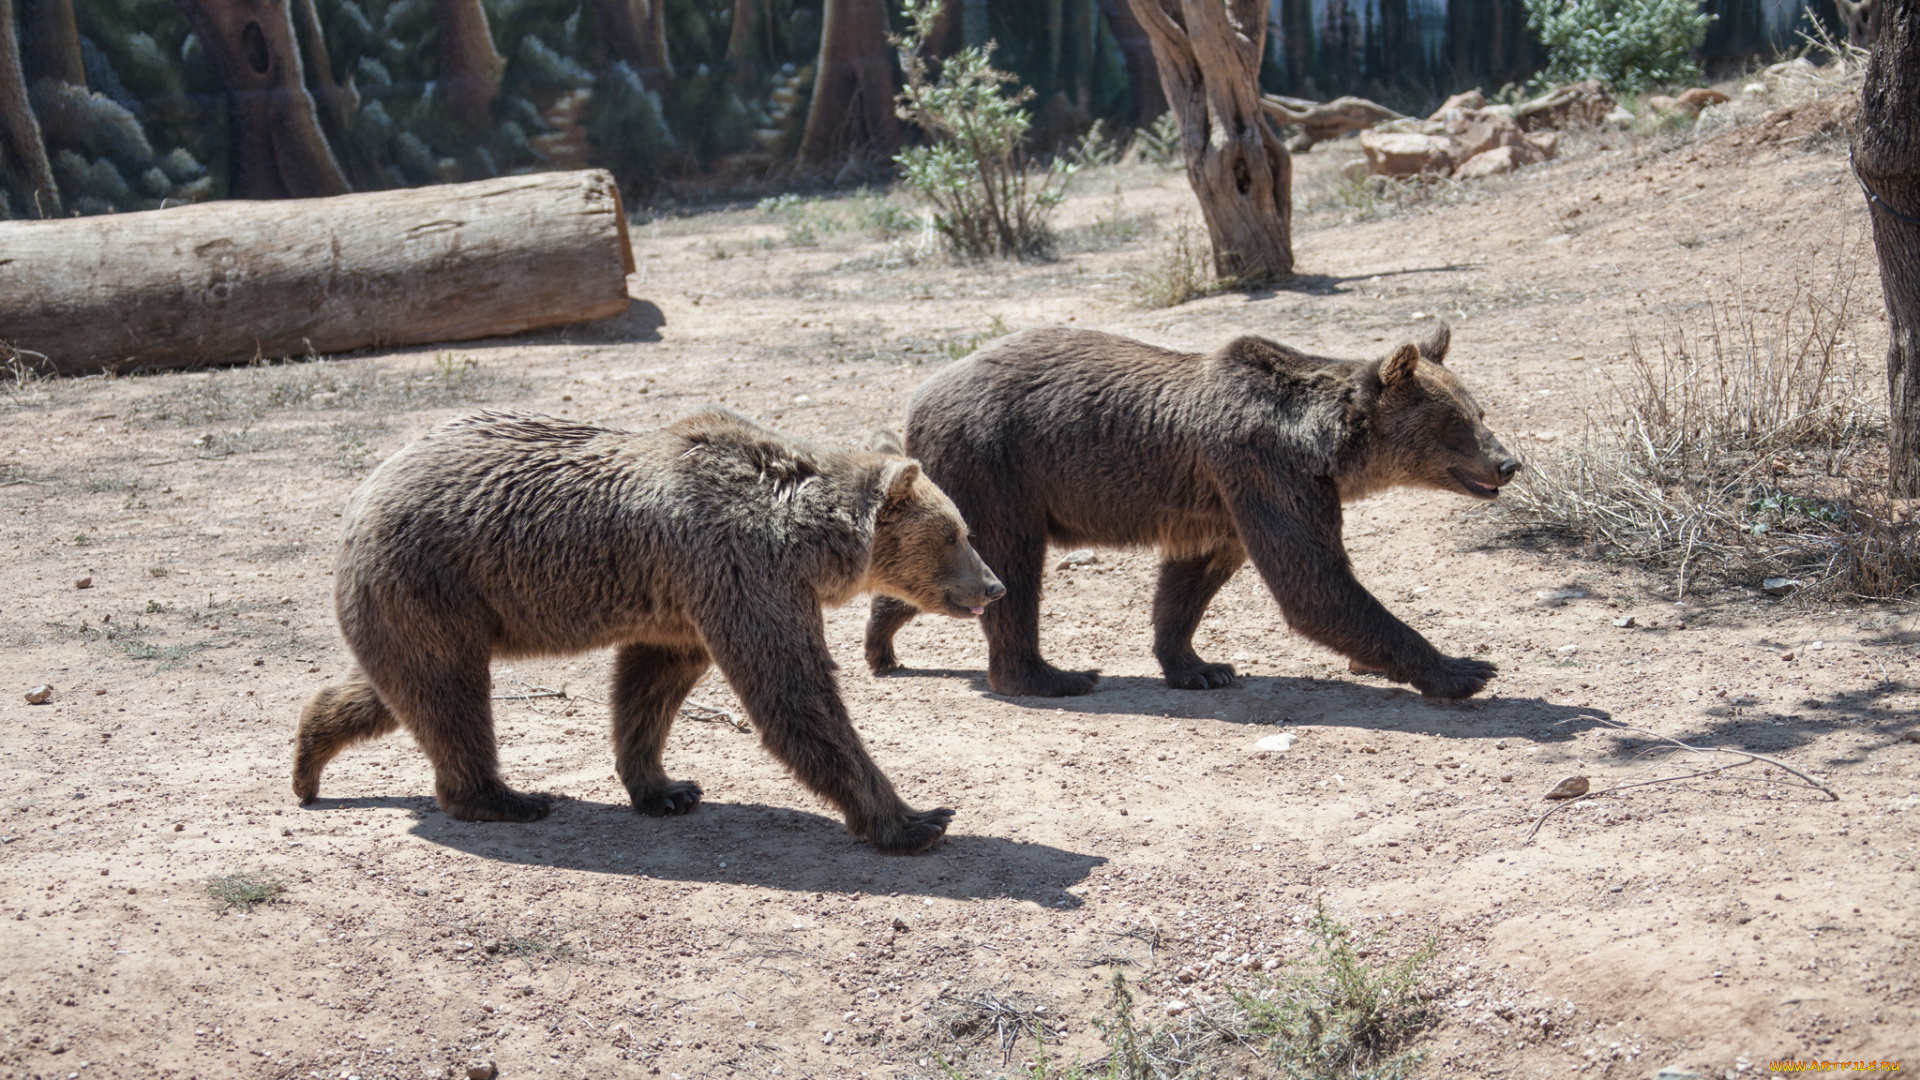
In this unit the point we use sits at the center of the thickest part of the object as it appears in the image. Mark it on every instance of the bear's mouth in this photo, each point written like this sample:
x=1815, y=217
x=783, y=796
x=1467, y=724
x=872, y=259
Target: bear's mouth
x=965, y=611
x=1474, y=487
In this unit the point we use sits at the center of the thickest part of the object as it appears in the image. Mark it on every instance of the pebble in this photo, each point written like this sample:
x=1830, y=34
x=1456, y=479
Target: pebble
x=1175, y=1008
x=1568, y=649
x=1779, y=586
x=1079, y=557
x=83, y=582
x=1911, y=736
x=486, y=1070
x=1500, y=745
x=1676, y=1072
x=1818, y=645
x=40, y=695
x=1556, y=597
x=1623, y=621
x=1276, y=744
x=900, y=925
x=1570, y=788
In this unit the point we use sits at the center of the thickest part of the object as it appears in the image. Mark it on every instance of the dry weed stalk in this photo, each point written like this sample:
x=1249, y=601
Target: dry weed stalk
x=1748, y=758
x=1682, y=462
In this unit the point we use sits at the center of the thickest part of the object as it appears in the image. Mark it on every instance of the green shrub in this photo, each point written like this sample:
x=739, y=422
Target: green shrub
x=1627, y=44
x=986, y=199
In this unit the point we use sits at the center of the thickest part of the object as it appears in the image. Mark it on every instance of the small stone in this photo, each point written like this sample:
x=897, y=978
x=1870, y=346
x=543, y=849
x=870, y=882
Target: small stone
x=286, y=599
x=40, y=695
x=1676, y=1072
x=1779, y=586
x=1911, y=736
x=486, y=1070
x=1556, y=597
x=1788, y=655
x=1623, y=621
x=1568, y=649
x=826, y=1039
x=83, y=582
x=1176, y=1007
x=900, y=926
x=57, y=1046
x=1500, y=745
x=1753, y=88
x=1570, y=788
x=1369, y=749
x=802, y=399
x=1080, y=557
x=1507, y=779
x=1818, y=645
x=259, y=661
x=1274, y=744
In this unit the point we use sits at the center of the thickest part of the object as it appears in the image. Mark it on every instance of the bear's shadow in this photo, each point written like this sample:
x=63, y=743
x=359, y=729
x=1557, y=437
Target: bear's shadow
x=773, y=847
x=1272, y=699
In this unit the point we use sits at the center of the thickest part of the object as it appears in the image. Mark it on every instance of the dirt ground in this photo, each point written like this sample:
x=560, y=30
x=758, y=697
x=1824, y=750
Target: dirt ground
x=1712, y=924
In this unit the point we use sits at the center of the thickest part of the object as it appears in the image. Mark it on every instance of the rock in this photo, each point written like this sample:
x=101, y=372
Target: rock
x=1661, y=103
x=1911, y=736
x=1676, y=1072
x=1700, y=97
x=1176, y=1007
x=1080, y=557
x=1276, y=744
x=486, y=1070
x=1476, y=132
x=1818, y=645
x=40, y=695
x=1556, y=597
x=1570, y=788
x=1623, y=621
x=1471, y=101
x=1779, y=586
x=900, y=926
x=1354, y=171
x=1584, y=102
x=1568, y=649
x=1545, y=141
x=1392, y=154
x=83, y=582
x=1619, y=117
x=1500, y=744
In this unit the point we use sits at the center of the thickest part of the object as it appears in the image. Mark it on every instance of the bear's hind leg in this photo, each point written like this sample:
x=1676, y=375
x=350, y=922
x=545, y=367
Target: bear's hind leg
x=649, y=684
x=449, y=711
x=335, y=718
x=1186, y=587
x=884, y=620
x=1012, y=625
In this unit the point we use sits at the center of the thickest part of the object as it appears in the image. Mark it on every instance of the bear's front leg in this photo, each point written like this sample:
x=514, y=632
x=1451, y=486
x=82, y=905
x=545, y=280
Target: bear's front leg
x=1294, y=541
x=650, y=682
x=774, y=655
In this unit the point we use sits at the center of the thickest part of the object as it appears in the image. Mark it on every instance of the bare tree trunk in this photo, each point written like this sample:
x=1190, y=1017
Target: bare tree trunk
x=851, y=115
x=1136, y=51
x=23, y=153
x=275, y=149
x=337, y=102
x=50, y=42
x=470, y=67
x=1887, y=155
x=1209, y=56
x=636, y=31
x=749, y=50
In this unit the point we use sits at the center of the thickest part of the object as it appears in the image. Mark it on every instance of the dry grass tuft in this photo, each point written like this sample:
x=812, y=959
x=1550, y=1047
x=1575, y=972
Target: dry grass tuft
x=1739, y=443
x=1182, y=271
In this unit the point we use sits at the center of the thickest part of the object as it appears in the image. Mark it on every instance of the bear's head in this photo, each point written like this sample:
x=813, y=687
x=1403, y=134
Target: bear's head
x=920, y=549
x=1427, y=429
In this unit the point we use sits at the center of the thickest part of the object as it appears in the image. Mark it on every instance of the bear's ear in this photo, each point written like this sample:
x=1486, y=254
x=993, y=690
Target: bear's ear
x=882, y=441
x=896, y=481
x=1399, y=367
x=1435, y=347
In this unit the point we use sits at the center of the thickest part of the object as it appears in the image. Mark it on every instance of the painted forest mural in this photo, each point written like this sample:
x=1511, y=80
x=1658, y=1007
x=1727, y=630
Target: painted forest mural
x=117, y=105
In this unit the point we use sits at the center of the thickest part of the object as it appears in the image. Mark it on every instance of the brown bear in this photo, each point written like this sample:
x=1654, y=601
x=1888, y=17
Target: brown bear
x=1083, y=438
x=711, y=541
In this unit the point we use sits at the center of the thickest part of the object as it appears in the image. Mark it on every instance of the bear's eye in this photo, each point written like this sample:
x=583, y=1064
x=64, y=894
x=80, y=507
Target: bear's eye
x=953, y=538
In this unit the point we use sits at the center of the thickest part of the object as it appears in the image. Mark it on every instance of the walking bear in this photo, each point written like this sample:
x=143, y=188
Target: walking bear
x=711, y=541
x=1083, y=438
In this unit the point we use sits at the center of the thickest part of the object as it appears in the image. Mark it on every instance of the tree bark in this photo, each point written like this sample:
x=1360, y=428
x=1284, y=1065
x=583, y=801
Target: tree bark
x=223, y=282
x=1136, y=52
x=851, y=116
x=50, y=42
x=23, y=153
x=636, y=31
x=275, y=147
x=1887, y=155
x=470, y=67
x=1209, y=56
x=338, y=102
x=749, y=48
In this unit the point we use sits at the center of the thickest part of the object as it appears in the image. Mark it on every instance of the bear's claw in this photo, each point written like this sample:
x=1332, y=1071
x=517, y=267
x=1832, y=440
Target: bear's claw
x=1202, y=677
x=678, y=797
x=1458, y=677
x=500, y=804
x=1044, y=680
x=920, y=831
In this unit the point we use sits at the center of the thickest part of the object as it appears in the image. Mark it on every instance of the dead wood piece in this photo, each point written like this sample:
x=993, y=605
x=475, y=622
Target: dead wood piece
x=228, y=282
x=1324, y=123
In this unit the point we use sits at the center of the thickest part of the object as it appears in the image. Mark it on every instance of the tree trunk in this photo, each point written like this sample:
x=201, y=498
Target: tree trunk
x=337, y=102
x=635, y=31
x=275, y=147
x=50, y=42
x=851, y=116
x=1887, y=155
x=470, y=67
x=748, y=49
x=222, y=282
x=1136, y=51
x=1209, y=56
x=23, y=153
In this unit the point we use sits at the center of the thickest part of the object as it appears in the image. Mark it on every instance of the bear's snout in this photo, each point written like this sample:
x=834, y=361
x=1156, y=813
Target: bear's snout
x=995, y=590
x=1508, y=468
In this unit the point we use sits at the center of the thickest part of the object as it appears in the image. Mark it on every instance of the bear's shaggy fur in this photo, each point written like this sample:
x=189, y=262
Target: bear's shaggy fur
x=711, y=541
x=1083, y=438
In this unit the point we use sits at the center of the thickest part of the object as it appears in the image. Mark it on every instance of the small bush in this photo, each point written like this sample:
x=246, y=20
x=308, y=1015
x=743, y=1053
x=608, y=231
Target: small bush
x=1182, y=271
x=245, y=889
x=986, y=198
x=1627, y=44
x=1159, y=142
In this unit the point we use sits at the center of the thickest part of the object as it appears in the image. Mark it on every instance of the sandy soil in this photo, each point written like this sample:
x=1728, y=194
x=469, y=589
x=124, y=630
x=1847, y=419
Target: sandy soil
x=1712, y=924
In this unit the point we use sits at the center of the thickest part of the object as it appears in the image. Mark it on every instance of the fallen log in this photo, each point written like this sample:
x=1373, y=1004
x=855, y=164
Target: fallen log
x=1324, y=122
x=227, y=282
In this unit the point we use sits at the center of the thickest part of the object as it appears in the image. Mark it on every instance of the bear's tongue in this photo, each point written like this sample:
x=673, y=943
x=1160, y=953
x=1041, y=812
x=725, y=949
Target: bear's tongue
x=978, y=610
